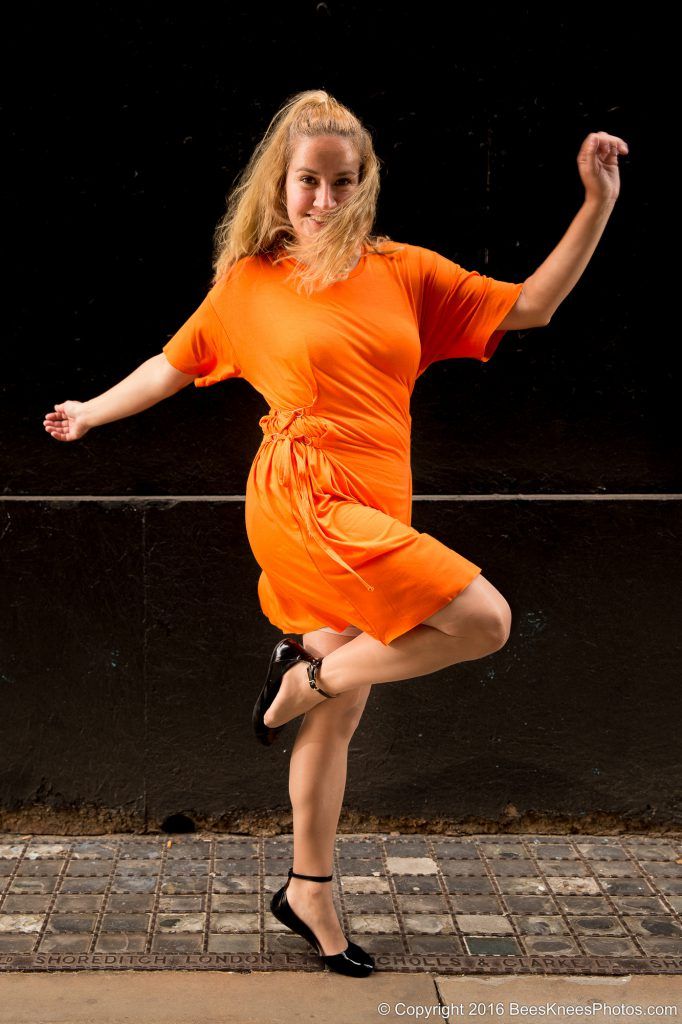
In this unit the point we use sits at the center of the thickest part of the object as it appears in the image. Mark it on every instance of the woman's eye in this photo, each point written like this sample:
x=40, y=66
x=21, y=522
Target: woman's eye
x=347, y=180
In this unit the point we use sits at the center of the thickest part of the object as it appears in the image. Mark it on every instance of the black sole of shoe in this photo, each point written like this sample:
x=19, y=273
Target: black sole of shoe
x=286, y=653
x=354, y=961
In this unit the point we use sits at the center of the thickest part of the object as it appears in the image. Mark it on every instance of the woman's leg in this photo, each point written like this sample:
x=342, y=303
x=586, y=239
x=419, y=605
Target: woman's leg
x=317, y=781
x=475, y=623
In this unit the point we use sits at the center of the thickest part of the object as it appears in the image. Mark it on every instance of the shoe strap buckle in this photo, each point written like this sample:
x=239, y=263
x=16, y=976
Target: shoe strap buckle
x=313, y=667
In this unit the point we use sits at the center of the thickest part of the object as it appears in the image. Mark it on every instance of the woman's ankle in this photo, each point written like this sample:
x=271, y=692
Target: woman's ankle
x=316, y=890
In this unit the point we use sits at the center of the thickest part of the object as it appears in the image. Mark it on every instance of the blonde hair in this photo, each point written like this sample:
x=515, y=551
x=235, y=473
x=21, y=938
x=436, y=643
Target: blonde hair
x=257, y=222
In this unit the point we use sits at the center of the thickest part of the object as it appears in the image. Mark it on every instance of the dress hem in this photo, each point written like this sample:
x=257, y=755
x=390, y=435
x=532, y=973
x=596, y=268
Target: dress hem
x=403, y=624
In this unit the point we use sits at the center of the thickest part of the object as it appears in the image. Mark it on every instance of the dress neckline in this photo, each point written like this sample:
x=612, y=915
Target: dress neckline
x=357, y=269
x=359, y=266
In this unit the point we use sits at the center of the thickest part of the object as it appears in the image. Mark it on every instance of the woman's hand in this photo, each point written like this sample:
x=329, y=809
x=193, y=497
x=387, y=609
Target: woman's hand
x=598, y=166
x=67, y=422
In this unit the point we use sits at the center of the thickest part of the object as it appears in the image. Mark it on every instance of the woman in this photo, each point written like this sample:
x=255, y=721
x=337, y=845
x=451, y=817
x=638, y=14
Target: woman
x=332, y=325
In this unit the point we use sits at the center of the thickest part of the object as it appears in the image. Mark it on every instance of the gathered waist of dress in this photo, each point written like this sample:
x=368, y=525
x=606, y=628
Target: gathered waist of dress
x=299, y=431
x=349, y=434
x=294, y=425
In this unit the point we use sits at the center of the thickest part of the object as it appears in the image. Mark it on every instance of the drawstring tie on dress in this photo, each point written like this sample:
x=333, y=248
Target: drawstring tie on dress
x=307, y=432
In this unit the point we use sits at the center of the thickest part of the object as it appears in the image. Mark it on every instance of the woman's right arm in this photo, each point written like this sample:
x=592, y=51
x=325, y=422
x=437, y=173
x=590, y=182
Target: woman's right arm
x=152, y=381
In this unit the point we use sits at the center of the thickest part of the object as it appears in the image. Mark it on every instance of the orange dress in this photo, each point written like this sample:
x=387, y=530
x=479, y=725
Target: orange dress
x=329, y=493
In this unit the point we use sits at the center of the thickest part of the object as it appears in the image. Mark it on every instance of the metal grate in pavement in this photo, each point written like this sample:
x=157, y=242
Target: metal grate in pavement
x=493, y=904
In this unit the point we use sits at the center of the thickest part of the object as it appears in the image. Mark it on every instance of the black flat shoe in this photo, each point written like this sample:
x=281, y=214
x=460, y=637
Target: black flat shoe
x=287, y=652
x=353, y=961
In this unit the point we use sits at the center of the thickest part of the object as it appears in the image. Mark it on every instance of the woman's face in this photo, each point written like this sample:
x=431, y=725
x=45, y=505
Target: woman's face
x=322, y=174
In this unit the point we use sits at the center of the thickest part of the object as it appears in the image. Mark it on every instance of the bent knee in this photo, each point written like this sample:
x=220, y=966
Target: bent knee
x=485, y=617
x=496, y=627
x=498, y=631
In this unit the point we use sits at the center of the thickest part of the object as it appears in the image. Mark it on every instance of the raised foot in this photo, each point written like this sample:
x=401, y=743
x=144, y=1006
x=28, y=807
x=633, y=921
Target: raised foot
x=294, y=698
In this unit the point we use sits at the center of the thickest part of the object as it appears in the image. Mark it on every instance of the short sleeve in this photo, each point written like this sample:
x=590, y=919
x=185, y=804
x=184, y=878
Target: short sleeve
x=460, y=311
x=203, y=347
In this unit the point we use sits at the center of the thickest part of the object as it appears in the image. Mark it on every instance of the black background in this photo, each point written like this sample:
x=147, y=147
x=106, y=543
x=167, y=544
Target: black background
x=127, y=126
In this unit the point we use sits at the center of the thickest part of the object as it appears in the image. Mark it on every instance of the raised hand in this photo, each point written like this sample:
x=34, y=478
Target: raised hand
x=67, y=422
x=598, y=166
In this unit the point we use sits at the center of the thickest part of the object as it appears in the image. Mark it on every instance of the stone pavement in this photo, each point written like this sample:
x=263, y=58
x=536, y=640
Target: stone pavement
x=223, y=997
x=424, y=905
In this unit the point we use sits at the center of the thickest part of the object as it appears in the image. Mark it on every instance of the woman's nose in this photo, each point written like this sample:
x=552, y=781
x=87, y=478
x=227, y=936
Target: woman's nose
x=324, y=200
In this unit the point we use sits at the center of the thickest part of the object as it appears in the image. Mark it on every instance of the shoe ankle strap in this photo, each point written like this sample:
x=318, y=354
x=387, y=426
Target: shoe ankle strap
x=311, y=878
x=313, y=668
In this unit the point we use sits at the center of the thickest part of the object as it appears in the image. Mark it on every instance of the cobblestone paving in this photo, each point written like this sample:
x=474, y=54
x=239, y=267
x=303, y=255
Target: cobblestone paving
x=488, y=896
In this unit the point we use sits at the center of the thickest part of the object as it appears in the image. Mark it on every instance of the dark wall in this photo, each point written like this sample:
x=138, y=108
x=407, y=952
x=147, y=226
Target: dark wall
x=133, y=644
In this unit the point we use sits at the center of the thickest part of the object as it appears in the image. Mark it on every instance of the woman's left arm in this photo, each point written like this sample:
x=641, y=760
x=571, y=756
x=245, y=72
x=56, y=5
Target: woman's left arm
x=546, y=289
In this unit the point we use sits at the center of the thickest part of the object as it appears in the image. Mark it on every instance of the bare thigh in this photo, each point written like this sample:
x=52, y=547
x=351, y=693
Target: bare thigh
x=348, y=631
x=480, y=607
